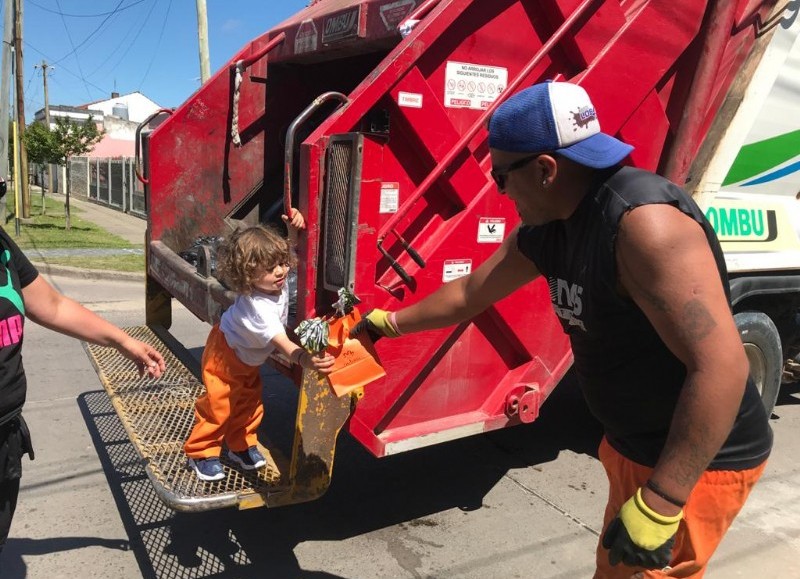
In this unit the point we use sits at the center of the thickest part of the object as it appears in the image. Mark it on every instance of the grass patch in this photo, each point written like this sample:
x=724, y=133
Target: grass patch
x=133, y=263
x=49, y=231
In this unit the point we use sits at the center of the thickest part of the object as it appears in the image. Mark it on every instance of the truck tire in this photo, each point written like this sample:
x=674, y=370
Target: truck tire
x=762, y=343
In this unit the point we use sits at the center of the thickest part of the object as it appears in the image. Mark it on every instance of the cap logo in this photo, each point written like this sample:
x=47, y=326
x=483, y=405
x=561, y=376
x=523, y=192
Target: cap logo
x=582, y=117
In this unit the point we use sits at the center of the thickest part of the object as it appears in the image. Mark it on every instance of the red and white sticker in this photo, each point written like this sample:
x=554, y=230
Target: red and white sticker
x=456, y=268
x=390, y=197
x=409, y=99
x=491, y=229
x=306, y=37
x=393, y=13
x=473, y=86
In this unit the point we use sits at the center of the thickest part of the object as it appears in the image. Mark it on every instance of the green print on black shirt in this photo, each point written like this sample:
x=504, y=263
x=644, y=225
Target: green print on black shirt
x=7, y=291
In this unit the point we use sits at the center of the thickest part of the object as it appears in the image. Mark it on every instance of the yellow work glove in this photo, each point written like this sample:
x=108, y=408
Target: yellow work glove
x=377, y=322
x=640, y=537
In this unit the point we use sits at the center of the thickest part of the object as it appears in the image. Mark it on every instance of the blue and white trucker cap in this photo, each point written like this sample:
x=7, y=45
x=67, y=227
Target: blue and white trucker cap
x=555, y=117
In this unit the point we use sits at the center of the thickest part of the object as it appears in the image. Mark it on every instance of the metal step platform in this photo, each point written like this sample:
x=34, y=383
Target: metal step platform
x=158, y=416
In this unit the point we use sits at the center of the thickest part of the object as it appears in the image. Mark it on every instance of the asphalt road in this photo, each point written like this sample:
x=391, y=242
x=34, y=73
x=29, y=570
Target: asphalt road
x=524, y=502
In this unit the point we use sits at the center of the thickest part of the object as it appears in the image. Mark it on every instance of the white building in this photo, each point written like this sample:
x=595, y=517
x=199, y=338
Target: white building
x=118, y=116
x=133, y=107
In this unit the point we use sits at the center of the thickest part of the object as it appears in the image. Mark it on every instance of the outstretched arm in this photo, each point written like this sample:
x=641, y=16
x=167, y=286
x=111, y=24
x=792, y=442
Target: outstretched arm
x=666, y=266
x=504, y=272
x=322, y=362
x=51, y=309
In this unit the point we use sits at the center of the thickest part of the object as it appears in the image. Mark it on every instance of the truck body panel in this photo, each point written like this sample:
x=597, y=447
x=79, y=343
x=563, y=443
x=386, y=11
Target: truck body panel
x=405, y=162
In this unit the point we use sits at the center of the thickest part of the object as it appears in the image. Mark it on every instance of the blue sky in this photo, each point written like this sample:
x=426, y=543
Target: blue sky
x=100, y=46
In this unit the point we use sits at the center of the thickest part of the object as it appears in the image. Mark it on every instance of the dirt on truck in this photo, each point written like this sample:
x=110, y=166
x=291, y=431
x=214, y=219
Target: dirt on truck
x=370, y=117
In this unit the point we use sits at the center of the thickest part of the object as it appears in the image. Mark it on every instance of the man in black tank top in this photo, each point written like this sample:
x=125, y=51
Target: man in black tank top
x=639, y=284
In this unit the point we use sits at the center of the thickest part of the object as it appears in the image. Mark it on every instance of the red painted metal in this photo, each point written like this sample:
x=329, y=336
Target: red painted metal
x=719, y=23
x=428, y=147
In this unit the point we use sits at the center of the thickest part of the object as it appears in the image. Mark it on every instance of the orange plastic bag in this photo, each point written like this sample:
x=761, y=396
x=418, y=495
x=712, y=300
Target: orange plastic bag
x=356, y=362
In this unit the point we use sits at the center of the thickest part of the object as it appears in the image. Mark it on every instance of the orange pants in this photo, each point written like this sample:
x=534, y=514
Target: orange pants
x=713, y=504
x=231, y=409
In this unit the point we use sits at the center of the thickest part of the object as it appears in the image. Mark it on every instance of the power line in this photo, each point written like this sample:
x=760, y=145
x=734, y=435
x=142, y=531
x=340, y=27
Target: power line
x=65, y=69
x=138, y=32
x=95, y=31
x=74, y=50
x=158, y=43
x=46, y=9
x=112, y=53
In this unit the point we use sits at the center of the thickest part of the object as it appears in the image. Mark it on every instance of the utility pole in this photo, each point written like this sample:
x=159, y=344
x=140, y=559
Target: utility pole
x=44, y=66
x=202, y=40
x=5, y=87
x=23, y=154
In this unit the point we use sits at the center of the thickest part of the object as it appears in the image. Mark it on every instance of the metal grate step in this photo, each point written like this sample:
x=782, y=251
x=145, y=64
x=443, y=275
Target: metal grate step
x=158, y=415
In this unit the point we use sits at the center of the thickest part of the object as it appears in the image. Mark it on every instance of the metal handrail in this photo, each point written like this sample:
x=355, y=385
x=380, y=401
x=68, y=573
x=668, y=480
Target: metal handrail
x=444, y=164
x=247, y=62
x=144, y=123
x=290, y=136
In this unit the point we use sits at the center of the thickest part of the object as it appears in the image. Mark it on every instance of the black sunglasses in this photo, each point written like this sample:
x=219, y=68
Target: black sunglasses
x=499, y=175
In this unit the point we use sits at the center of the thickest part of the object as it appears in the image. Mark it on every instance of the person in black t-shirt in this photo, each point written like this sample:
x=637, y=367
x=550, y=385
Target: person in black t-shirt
x=26, y=294
x=638, y=282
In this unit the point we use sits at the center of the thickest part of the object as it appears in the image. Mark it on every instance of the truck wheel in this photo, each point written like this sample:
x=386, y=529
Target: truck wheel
x=762, y=343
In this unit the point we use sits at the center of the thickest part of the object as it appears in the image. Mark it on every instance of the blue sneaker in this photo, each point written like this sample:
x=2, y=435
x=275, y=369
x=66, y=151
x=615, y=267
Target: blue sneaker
x=249, y=459
x=208, y=469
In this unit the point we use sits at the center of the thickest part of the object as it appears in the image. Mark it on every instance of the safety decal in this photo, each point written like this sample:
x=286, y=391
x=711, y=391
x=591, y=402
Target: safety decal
x=390, y=197
x=456, y=268
x=491, y=229
x=393, y=13
x=409, y=99
x=473, y=86
x=305, y=39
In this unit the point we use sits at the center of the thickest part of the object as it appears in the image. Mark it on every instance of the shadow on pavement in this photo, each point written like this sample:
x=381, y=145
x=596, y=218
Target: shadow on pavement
x=12, y=565
x=367, y=493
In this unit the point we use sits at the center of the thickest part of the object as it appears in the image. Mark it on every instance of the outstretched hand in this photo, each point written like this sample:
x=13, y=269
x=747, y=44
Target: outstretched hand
x=378, y=323
x=147, y=359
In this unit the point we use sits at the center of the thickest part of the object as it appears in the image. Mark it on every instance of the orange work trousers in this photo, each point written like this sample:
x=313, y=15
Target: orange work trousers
x=713, y=504
x=231, y=409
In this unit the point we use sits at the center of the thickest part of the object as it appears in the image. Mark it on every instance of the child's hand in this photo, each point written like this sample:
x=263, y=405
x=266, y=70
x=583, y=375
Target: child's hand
x=322, y=363
x=297, y=221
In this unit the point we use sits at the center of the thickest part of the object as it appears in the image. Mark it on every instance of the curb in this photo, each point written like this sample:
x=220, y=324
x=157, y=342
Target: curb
x=101, y=274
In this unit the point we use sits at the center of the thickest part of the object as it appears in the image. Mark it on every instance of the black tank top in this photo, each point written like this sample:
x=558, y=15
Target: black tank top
x=630, y=379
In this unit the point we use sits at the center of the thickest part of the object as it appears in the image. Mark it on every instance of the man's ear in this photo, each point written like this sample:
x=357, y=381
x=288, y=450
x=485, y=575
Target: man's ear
x=548, y=169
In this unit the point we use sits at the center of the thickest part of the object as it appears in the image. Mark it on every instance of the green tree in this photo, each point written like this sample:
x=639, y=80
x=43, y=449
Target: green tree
x=42, y=149
x=74, y=139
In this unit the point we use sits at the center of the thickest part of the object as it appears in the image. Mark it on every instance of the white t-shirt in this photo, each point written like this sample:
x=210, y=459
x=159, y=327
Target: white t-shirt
x=252, y=321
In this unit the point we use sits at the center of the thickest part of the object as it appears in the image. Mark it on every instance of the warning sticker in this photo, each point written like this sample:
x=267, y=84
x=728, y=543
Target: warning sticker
x=393, y=13
x=390, y=197
x=456, y=268
x=491, y=229
x=473, y=86
x=409, y=99
x=305, y=40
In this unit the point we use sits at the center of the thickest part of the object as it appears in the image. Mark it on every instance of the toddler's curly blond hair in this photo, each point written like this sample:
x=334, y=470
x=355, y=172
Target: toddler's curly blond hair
x=248, y=253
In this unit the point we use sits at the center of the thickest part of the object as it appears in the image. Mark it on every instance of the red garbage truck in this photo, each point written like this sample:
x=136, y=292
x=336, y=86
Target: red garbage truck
x=370, y=117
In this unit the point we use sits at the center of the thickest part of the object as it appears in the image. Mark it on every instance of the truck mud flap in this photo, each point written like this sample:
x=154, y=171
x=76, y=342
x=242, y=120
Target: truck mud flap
x=158, y=415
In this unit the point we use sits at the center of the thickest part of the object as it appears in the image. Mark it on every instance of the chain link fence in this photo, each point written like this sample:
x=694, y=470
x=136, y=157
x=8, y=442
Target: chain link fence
x=110, y=182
